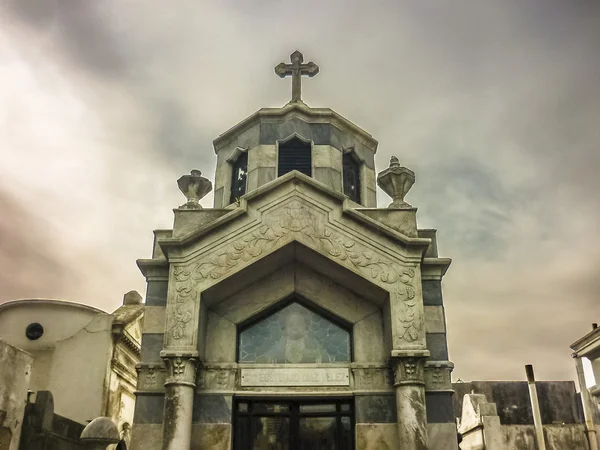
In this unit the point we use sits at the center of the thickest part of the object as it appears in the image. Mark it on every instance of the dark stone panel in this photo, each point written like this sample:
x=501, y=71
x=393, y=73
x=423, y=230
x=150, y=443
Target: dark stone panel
x=558, y=400
x=432, y=293
x=375, y=409
x=319, y=133
x=149, y=408
x=212, y=409
x=156, y=293
x=152, y=344
x=439, y=407
x=437, y=346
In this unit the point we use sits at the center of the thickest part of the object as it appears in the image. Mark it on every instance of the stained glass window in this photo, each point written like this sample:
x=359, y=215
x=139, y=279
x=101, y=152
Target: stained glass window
x=294, y=335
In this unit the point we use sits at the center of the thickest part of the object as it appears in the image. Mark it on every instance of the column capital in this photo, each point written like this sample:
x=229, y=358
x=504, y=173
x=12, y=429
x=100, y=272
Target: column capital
x=409, y=370
x=181, y=368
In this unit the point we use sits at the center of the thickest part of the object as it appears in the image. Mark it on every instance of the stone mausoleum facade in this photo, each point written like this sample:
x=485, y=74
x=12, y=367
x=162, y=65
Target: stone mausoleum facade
x=295, y=313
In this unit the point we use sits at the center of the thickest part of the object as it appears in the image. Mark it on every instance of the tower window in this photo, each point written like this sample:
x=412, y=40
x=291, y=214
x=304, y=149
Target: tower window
x=294, y=155
x=351, y=174
x=239, y=176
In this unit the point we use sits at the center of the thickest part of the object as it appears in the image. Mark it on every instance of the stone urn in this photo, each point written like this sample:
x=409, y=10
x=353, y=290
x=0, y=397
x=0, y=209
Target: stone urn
x=194, y=187
x=396, y=181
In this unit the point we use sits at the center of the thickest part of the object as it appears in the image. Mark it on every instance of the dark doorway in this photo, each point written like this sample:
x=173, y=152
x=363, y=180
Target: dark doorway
x=293, y=425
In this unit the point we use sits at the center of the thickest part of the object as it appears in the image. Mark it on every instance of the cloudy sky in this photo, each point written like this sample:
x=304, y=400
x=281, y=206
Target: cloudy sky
x=494, y=104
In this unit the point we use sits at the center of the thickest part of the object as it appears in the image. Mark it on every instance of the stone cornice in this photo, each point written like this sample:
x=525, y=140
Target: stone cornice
x=301, y=111
x=434, y=268
x=154, y=269
x=294, y=177
x=588, y=343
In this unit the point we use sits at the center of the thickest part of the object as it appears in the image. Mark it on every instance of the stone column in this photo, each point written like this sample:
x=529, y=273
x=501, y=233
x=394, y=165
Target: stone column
x=180, y=386
x=409, y=383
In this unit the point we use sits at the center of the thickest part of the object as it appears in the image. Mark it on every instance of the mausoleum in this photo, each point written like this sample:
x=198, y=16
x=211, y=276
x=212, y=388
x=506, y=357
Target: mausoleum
x=295, y=313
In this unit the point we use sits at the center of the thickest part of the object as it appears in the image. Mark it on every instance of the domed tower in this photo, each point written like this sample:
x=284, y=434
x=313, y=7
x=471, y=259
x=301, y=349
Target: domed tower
x=295, y=312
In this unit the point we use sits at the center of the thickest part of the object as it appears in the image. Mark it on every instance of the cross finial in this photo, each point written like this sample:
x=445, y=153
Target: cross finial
x=296, y=69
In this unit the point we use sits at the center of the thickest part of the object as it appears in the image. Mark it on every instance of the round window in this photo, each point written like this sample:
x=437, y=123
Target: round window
x=34, y=331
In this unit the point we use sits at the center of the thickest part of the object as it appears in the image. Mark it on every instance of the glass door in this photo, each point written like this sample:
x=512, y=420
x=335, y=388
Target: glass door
x=293, y=425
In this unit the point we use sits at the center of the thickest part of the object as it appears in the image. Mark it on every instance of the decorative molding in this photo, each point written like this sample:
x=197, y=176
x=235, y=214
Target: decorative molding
x=293, y=221
x=181, y=370
x=409, y=371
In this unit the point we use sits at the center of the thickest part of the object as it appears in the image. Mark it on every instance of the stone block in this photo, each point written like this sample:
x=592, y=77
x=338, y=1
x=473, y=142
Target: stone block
x=442, y=436
x=375, y=408
x=154, y=319
x=368, y=340
x=435, y=321
x=378, y=436
x=371, y=199
x=439, y=407
x=213, y=436
x=327, y=156
x=146, y=436
x=251, y=181
x=330, y=177
x=189, y=220
x=403, y=221
x=152, y=344
x=221, y=339
x=262, y=156
x=265, y=175
x=437, y=346
x=219, y=201
x=149, y=409
x=212, y=408
x=432, y=292
x=156, y=293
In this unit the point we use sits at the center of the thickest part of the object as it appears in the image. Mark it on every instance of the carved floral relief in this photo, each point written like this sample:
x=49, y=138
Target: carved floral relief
x=294, y=221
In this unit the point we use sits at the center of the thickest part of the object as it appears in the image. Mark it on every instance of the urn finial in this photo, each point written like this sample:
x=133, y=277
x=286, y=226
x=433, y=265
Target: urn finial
x=396, y=181
x=194, y=187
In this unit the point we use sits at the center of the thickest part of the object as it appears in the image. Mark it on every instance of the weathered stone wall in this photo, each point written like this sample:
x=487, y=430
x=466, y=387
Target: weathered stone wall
x=15, y=371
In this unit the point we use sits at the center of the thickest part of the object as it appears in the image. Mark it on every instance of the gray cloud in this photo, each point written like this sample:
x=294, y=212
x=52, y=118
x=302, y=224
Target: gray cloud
x=494, y=105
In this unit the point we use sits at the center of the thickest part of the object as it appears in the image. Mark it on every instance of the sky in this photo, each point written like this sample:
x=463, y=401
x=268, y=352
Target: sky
x=494, y=104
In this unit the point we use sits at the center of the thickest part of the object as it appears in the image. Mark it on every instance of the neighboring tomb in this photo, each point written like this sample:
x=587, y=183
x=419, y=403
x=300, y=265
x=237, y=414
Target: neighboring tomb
x=85, y=357
x=15, y=371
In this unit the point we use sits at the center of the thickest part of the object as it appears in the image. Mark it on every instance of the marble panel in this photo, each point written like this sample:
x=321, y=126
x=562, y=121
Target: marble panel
x=220, y=339
x=266, y=175
x=219, y=201
x=375, y=408
x=439, y=407
x=156, y=293
x=258, y=296
x=262, y=156
x=212, y=408
x=252, y=180
x=149, y=409
x=146, y=436
x=332, y=296
x=432, y=293
x=437, y=345
x=154, y=319
x=330, y=177
x=368, y=339
x=152, y=344
x=442, y=436
x=376, y=436
x=435, y=321
x=327, y=156
x=371, y=200
x=213, y=436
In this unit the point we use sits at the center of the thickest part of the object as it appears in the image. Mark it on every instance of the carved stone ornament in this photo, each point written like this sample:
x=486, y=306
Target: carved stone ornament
x=437, y=375
x=396, y=181
x=217, y=379
x=194, y=187
x=409, y=371
x=293, y=221
x=150, y=377
x=181, y=370
x=371, y=379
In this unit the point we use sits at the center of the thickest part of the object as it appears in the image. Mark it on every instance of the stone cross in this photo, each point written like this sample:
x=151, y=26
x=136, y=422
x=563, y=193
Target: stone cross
x=296, y=69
